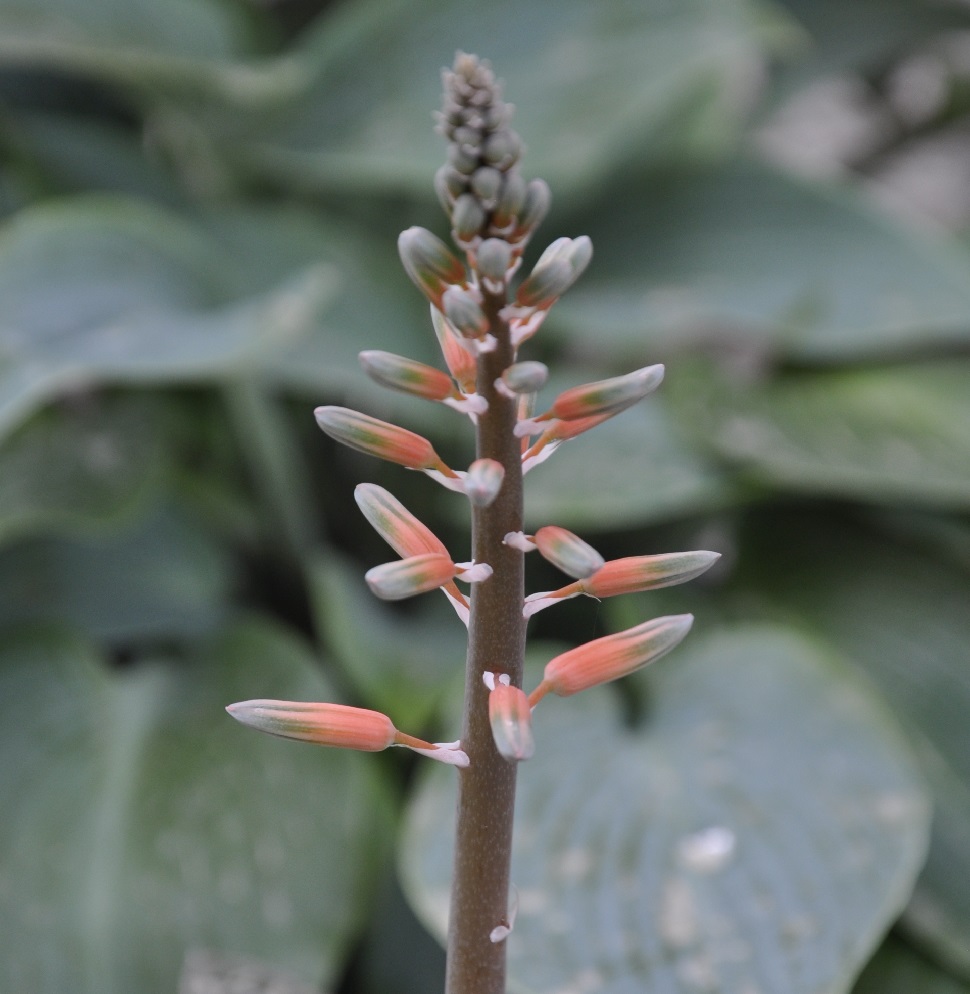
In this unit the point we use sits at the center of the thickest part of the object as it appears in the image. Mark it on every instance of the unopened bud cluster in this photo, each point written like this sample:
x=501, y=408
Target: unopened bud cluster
x=493, y=212
x=492, y=209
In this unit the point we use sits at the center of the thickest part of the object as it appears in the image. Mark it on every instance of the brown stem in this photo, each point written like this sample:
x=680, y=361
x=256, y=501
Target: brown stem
x=496, y=642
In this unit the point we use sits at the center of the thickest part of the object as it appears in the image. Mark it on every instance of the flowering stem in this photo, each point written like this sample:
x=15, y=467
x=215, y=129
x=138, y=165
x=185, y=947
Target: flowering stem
x=486, y=791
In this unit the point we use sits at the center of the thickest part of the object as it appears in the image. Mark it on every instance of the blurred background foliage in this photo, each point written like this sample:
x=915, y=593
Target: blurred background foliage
x=198, y=209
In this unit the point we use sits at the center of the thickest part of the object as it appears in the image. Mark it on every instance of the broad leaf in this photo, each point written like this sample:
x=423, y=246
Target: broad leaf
x=142, y=824
x=186, y=42
x=363, y=120
x=902, y=616
x=745, y=258
x=882, y=434
x=758, y=831
x=160, y=577
x=74, y=469
x=105, y=289
x=635, y=469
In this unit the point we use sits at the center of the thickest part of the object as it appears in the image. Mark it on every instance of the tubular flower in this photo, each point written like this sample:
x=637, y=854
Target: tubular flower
x=419, y=380
x=553, y=436
x=605, y=397
x=406, y=375
x=419, y=574
x=408, y=577
x=522, y=378
x=611, y=657
x=567, y=551
x=385, y=441
x=463, y=309
x=510, y=717
x=395, y=523
x=628, y=576
x=338, y=726
x=406, y=535
x=558, y=268
x=484, y=480
x=430, y=263
x=459, y=360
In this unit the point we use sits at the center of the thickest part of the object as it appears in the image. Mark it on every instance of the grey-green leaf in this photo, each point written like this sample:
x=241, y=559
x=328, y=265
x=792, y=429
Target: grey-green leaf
x=758, y=832
x=745, y=258
x=884, y=434
x=142, y=824
x=110, y=290
x=901, y=616
x=363, y=120
x=635, y=469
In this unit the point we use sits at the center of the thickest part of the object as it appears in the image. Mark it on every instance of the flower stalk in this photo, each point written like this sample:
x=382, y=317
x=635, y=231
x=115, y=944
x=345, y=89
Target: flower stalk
x=481, y=321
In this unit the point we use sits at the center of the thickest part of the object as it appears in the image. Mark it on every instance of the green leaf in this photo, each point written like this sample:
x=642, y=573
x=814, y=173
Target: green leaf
x=884, y=434
x=76, y=469
x=859, y=37
x=898, y=969
x=371, y=302
x=84, y=155
x=902, y=616
x=746, y=258
x=185, y=42
x=161, y=576
x=634, y=469
x=107, y=289
x=363, y=120
x=759, y=831
x=142, y=824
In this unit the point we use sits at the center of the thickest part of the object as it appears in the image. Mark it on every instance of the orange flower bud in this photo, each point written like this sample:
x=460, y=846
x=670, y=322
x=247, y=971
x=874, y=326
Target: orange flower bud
x=627, y=576
x=406, y=375
x=510, y=717
x=386, y=441
x=408, y=577
x=395, y=523
x=604, y=396
x=338, y=726
x=460, y=362
x=567, y=551
x=636, y=573
x=334, y=725
x=559, y=266
x=611, y=657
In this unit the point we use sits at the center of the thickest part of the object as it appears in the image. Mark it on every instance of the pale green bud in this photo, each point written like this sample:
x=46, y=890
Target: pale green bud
x=463, y=309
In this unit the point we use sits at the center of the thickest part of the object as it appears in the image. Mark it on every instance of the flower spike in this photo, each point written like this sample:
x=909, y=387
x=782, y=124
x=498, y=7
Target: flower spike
x=611, y=657
x=510, y=716
x=338, y=726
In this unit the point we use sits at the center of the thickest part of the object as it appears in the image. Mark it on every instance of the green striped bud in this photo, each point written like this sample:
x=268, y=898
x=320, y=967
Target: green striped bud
x=430, y=263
